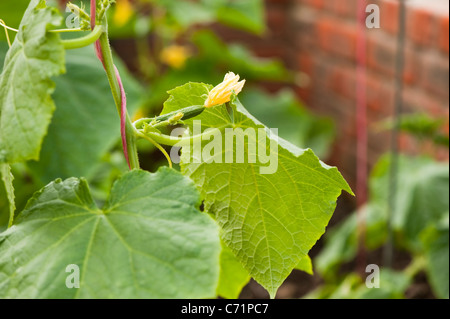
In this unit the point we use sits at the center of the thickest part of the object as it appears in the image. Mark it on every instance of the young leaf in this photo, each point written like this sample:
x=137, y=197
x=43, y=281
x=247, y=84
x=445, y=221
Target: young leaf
x=270, y=221
x=149, y=241
x=25, y=86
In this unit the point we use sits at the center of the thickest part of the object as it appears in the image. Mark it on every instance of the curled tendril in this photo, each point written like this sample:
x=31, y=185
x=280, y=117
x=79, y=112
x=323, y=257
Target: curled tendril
x=3, y=24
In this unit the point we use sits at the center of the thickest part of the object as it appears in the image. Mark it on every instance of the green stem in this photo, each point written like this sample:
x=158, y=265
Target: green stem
x=115, y=89
x=172, y=140
x=148, y=138
x=84, y=41
x=188, y=112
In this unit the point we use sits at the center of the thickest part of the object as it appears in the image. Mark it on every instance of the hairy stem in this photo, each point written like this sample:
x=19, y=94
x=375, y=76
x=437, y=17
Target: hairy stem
x=111, y=71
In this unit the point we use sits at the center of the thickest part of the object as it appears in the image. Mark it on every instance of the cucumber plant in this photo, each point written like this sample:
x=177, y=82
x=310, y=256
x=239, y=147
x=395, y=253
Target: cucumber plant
x=199, y=232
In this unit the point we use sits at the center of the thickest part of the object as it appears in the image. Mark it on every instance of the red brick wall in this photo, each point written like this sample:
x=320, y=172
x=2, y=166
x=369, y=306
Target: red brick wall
x=318, y=38
x=326, y=51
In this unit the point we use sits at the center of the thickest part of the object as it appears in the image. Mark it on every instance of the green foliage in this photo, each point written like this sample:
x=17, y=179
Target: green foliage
x=148, y=241
x=25, y=85
x=215, y=52
x=243, y=14
x=435, y=239
x=83, y=128
x=147, y=238
x=421, y=126
x=214, y=58
x=420, y=220
x=392, y=285
x=419, y=196
x=247, y=15
x=270, y=222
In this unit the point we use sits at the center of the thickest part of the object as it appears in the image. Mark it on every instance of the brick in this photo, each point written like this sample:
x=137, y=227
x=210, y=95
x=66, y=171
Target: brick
x=328, y=5
x=435, y=78
x=279, y=2
x=406, y=143
x=379, y=91
x=381, y=57
x=343, y=82
x=389, y=11
x=443, y=34
x=379, y=98
x=305, y=64
x=346, y=8
x=318, y=4
x=420, y=101
x=268, y=50
x=305, y=31
x=337, y=37
x=276, y=20
x=420, y=26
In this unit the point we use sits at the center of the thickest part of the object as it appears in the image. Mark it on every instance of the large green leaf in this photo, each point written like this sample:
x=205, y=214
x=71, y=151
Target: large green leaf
x=26, y=107
x=421, y=196
x=148, y=241
x=270, y=221
x=85, y=124
x=7, y=203
x=247, y=15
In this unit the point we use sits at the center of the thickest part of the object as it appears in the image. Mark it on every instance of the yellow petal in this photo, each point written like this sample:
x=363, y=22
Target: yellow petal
x=222, y=93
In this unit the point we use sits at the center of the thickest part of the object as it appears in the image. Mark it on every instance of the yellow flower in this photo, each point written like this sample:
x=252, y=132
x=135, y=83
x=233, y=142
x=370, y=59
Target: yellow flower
x=175, y=56
x=222, y=93
x=123, y=12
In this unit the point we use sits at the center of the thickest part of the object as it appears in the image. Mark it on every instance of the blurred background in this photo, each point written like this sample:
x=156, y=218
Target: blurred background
x=372, y=101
